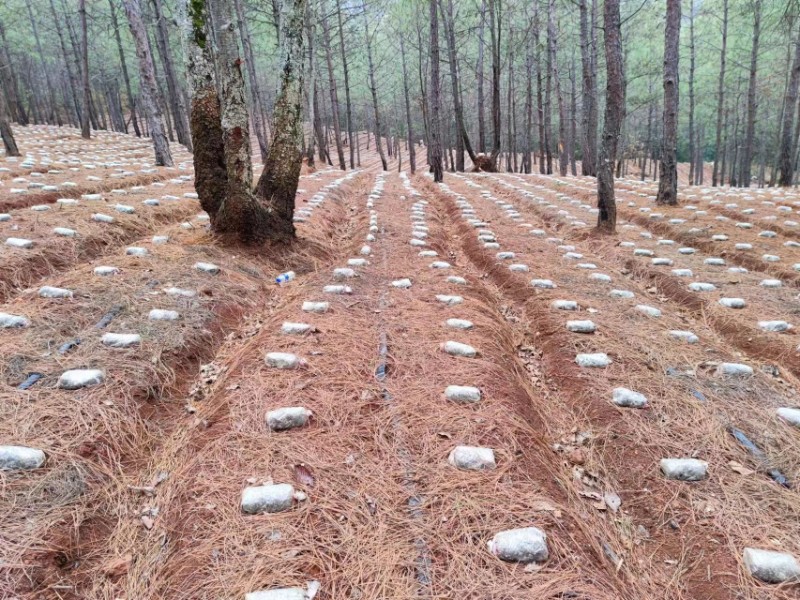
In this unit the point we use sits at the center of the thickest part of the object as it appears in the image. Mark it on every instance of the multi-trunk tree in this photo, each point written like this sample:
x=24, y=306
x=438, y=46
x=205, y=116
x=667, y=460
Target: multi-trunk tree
x=223, y=164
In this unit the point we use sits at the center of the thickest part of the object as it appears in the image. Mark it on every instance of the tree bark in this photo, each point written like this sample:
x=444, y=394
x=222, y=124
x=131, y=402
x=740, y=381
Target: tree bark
x=509, y=99
x=412, y=152
x=750, y=128
x=539, y=97
x=374, y=90
x=177, y=107
x=435, y=141
x=495, y=19
x=692, y=157
x=240, y=215
x=86, y=132
x=53, y=115
x=256, y=101
x=9, y=143
x=668, y=177
x=573, y=118
x=124, y=66
x=563, y=143
x=589, y=95
x=148, y=87
x=337, y=129
x=548, y=95
x=480, y=76
x=210, y=176
x=278, y=182
x=648, y=148
x=786, y=161
x=346, y=71
x=718, y=148
x=310, y=85
x=615, y=106
x=526, y=161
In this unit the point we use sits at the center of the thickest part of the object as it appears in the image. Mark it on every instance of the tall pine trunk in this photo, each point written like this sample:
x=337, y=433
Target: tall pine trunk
x=548, y=94
x=173, y=89
x=526, y=160
x=125, y=77
x=86, y=132
x=692, y=157
x=278, y=182
x=435, y=141
x=589, y=93
x=462, y=138
x=668, y=180
x=539, y=100
x=9, y=143
x=495, y=20
x=480, y=76
x=373, y=87
x=334, y=94
x=615, y=106
x=310, y=84
x=148, y=86
x=786, y=160
x=750, y=127
x=210, y=177
x=346, y=71
x=718, y=146
x=563, y=156
x=412, y=152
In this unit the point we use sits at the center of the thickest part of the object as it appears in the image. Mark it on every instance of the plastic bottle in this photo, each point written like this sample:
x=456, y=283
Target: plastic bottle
x=284, y=277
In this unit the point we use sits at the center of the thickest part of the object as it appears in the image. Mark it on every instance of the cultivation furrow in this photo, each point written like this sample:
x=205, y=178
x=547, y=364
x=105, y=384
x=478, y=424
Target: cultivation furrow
x=68, y=234
x=687, y=539
x=684, y=275
x=97, y=439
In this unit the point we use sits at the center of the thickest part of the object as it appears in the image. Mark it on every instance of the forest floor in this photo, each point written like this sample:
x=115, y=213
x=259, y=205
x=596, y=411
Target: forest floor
x=140, y=493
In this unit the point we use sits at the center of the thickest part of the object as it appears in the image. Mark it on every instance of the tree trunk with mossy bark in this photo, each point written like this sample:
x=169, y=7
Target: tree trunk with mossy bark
x=245, y=215
x=278, y=182
x=210, y=176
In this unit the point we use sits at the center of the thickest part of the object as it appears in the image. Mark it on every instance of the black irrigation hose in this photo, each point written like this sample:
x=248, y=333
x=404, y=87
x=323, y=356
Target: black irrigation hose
x=30, y=381
x=67, y=346
x=758, y=453
x=109, y=316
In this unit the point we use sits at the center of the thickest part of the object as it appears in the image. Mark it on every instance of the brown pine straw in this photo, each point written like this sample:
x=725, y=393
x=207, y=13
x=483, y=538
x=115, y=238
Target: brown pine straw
x=743, y=510
x=355, y=532
x=52, y=253
x=738, y=327
x=98, y=439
